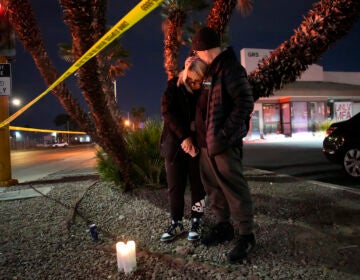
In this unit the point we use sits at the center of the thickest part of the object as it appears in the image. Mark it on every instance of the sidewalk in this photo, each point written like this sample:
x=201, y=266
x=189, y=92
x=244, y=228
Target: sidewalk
x=22, y=191
x=304, y=230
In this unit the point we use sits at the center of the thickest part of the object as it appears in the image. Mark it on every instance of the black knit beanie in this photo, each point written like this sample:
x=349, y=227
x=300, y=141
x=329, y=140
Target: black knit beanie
x=205, y=39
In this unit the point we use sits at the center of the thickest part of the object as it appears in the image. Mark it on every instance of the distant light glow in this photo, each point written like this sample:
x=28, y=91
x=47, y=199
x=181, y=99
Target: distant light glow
x=127, y=122
x=16, y=102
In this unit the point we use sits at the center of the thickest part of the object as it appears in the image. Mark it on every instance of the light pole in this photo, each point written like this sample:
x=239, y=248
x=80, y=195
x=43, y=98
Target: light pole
x=115, y=90
x=68, y=135
x=5, y=159
x=14, y=102
x=6, y=50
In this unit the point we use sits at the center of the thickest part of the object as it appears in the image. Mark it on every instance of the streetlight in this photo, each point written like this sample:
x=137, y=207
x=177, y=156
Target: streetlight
x=16, y=102
x=127, y=122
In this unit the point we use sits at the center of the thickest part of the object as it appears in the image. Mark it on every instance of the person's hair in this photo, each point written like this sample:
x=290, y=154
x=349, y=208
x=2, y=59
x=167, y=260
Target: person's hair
x=196, y=65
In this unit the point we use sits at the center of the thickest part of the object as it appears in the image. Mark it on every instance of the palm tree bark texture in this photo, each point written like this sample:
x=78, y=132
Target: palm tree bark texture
x=327, y=22
x=79, y=16
x=22, y=18
x=102, y=128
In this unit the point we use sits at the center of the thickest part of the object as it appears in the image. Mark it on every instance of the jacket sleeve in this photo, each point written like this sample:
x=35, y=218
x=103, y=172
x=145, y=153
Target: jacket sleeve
x=239, y=91
x=171, y=112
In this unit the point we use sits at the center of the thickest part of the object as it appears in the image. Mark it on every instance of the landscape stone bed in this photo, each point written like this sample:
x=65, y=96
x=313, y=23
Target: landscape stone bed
x=304, y=231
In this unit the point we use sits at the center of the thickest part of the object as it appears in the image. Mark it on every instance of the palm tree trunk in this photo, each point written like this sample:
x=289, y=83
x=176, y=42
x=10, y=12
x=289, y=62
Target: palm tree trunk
x=220, y=14
x=172, y=29
x=99, y=27
x=79, y=16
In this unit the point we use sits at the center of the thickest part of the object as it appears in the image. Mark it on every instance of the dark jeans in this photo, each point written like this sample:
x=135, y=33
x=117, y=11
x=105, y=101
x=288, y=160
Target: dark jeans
x=227, y=188
x=177, y=173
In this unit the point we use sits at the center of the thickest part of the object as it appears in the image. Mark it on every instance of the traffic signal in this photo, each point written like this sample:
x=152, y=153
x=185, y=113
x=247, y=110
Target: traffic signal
x=2, y=9
x=7, y=35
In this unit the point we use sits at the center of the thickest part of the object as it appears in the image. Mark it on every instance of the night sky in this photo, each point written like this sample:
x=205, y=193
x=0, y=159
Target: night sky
x=270, y=23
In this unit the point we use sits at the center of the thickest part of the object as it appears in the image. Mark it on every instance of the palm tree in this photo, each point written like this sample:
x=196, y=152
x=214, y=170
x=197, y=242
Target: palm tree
x=221, y=11
x=86, y=20
x=174, y=14
x=66, y=121
x=327, y=22
x=112, y=63
x=138, y=115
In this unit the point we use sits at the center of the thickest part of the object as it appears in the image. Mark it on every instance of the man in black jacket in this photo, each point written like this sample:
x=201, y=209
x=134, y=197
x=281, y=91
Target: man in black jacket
x=222, y=120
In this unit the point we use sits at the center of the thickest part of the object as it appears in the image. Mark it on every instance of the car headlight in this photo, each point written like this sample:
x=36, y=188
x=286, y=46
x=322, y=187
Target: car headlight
x=339, y=141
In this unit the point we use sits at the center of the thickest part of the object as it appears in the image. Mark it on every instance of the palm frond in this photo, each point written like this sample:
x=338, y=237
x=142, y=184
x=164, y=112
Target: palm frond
x=327, y=22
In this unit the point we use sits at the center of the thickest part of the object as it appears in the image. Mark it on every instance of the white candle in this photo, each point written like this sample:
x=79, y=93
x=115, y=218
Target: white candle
x=119, y=247
x=126, y=256
x=132, y=254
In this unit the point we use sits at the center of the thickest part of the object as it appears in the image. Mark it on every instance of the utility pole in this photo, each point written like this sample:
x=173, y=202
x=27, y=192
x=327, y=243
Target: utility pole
x=115, y=90
x=7, y=43
x=5, y=160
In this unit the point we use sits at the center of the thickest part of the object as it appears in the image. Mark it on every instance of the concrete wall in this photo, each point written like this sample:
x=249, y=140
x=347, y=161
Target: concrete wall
x=352, y=78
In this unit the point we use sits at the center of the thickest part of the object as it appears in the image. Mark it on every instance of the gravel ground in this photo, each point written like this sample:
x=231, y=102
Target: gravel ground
x=304, y=231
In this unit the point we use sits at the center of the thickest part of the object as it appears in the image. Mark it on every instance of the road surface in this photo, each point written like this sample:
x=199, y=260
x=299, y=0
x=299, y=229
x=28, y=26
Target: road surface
x=32, y=165
x=299, y=158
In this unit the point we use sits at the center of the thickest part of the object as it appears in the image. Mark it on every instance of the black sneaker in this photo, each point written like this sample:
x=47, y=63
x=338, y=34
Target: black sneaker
x=175, y=229
x=243, y=248
x=220, y=233
x=195, y=229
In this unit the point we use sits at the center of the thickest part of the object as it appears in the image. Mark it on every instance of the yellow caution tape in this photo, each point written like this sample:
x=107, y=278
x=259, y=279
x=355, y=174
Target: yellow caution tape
x=130, y=19
x=29, y=129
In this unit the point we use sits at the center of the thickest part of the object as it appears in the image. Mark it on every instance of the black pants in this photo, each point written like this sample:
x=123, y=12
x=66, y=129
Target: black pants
x=178, y=172
x=227, y=188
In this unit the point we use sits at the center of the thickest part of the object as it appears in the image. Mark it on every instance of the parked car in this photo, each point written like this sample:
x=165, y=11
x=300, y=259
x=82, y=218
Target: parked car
x=60, y=145
x=342, y=145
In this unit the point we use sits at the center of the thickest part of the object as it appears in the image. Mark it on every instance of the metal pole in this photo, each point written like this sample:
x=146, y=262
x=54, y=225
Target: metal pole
x=115, y=90
x=68, y=137
x=5, y=159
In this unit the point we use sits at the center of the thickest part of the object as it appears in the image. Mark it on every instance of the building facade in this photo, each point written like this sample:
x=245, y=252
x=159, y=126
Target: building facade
x=304, y=106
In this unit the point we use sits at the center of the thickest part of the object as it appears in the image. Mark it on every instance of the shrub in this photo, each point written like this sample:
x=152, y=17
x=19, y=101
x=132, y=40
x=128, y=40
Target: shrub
x=107, y=169
x=324, y=125
x=147, y=167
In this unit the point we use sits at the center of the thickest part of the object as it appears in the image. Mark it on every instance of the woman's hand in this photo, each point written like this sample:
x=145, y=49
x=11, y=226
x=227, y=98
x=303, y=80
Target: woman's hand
x=189, y=148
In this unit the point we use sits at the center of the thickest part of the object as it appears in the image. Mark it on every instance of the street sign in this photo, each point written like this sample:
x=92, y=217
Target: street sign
x=5, y=79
